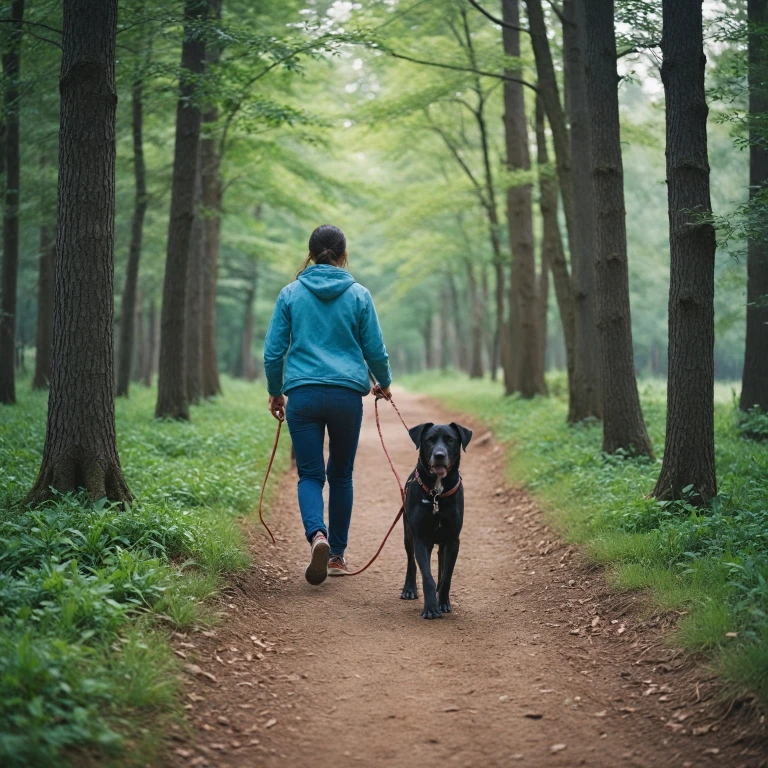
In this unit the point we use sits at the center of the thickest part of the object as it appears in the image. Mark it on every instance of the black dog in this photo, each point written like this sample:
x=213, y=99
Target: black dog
x=434, y=513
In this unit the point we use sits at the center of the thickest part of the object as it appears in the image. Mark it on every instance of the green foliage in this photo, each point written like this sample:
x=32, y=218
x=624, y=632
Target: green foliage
x=711, y=564
x=83, y=663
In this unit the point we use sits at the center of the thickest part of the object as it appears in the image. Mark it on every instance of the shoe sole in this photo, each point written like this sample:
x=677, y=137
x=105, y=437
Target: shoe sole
x=317, y=570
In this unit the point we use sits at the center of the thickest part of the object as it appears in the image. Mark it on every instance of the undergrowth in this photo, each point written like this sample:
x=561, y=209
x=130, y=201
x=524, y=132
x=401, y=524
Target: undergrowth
x=709, y=564
x=88, y=592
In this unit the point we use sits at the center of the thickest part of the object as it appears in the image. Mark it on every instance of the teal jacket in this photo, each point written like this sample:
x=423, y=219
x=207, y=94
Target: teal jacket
x=326, y=325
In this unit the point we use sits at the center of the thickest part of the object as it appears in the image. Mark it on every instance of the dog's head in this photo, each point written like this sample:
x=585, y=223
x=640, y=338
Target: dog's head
x=440, y=445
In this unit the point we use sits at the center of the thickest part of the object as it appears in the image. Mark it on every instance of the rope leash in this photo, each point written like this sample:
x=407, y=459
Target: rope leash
x=379, y=395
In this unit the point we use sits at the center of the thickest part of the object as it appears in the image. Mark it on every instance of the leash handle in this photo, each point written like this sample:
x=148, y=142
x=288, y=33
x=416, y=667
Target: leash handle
x=266, y=477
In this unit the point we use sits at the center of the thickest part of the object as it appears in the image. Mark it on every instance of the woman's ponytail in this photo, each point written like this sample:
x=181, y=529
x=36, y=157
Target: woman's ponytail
x=327, y=245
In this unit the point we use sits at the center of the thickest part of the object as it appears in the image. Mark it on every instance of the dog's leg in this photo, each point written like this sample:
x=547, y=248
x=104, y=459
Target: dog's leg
x=423, y=555
x=440, y=566
x=409, y=589
x=448, y=563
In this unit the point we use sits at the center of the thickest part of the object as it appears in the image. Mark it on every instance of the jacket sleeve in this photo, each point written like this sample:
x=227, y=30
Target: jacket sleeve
x=374, y=351
x=276, y=345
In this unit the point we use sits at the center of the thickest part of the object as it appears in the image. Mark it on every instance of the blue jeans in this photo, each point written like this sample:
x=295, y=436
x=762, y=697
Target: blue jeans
x=310, y=410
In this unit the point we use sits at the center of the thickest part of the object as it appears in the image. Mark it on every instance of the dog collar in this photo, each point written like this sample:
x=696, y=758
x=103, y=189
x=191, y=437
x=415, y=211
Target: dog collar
x=434, y=494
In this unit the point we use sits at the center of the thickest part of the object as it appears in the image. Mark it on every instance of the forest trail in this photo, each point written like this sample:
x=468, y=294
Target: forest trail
x=539, y=664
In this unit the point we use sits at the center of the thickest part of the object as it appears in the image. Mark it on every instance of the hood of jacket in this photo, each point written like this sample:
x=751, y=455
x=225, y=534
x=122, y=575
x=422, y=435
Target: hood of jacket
x=325, y=281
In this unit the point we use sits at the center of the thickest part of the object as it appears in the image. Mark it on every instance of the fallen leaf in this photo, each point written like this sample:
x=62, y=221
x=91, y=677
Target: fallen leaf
x=702, y=729
x=595, y=621
x=270, y=723
x=557, y=748
x=183, y=752
x=222, y=720
x=218, y=746
x=194, y=669
x=194, y=697
x=601, y=713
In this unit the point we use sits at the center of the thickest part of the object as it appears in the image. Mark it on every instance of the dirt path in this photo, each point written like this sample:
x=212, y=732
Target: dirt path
x=538, y=665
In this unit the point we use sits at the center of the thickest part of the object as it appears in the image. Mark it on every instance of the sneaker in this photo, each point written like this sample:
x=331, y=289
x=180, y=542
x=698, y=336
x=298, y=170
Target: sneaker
x=317, y=569
x=337, y=566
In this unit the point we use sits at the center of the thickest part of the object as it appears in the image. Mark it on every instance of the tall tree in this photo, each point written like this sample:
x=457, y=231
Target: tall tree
x=623, y=425
x=172, y=390
x=128, y=307
x=45, y=278
x=582, y=404
x=210, y=171
x=552, y=252
x=524, y=319
x=689, y=448
x=587, y=357
x=754, y=383
x=10, y=264
x=80, y=444
x=193, y=311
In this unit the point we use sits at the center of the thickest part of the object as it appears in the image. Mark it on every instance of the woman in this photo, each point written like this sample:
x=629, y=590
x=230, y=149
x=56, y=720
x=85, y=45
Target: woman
x=323, y=331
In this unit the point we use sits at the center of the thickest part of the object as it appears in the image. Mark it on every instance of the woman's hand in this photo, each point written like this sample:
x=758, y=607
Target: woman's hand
x=277, y=406
x=380, y=392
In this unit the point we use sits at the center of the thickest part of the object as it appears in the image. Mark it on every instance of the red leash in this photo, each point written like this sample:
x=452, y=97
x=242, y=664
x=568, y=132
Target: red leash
x=379, y=395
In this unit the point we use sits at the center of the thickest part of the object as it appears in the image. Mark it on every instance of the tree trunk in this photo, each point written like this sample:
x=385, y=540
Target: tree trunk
x=172, y=390
x=128, y=307
x=478, y=309
x=152, y=345
x=210, y=163
x=543, y=312
x=80, y=446
x=623, y=425
x=552, y=248
x=588, y=402
x=10, y=265
x=754, y=383
x=193, y=315
x=523, y=301
x=47, y=266
x=689, y=449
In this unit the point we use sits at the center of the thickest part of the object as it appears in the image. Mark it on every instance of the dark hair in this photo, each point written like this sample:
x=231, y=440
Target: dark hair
x=327, y=245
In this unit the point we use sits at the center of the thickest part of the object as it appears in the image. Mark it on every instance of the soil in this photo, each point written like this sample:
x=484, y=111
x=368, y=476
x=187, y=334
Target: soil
x=540, y=664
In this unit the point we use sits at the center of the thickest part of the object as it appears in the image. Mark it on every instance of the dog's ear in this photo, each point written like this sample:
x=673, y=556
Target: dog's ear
x=416, y=432
x=464, y=433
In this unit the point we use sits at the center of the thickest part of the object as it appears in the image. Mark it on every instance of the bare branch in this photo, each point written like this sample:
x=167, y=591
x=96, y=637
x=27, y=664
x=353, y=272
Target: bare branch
x=495, y=19
x=457, y=68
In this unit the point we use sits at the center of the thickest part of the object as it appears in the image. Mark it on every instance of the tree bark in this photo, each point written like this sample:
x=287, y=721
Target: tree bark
x=754, y=383
x=128, y=307
x=552, y=248
x=623, y=425
x=172, y=390
x=45, y=278
x=10, y=265
x=80, y=445
x=526, y=369
x=588, y=403
x=193, y=314
x=210, y=164
x=689, y=448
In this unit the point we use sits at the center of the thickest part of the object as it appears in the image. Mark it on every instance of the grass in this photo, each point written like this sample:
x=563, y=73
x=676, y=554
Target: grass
x=89, y=592
x=710, y=564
